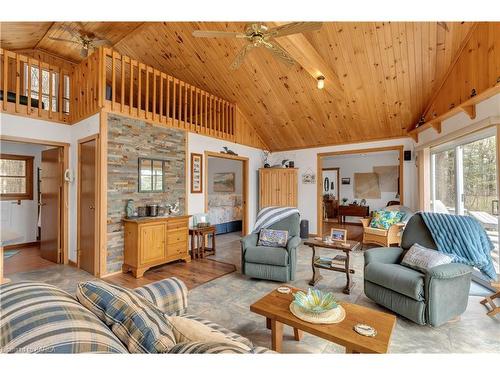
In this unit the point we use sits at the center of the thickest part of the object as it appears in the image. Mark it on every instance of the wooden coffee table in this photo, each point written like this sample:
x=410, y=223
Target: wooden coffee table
x=275, y=307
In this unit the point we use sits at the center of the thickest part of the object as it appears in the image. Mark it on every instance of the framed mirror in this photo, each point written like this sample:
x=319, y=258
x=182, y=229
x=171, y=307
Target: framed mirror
x=151, y=175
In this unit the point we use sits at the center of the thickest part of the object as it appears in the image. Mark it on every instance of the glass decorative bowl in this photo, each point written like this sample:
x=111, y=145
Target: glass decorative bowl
x=315, y=301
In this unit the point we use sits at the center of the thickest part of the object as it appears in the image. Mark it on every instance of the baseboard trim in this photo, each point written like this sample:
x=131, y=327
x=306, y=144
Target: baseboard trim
x=21, y=245
x=111, y=274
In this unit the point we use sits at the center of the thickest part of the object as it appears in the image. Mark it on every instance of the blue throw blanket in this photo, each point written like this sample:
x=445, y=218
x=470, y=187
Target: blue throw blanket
x=462, y=237
x=270, y=215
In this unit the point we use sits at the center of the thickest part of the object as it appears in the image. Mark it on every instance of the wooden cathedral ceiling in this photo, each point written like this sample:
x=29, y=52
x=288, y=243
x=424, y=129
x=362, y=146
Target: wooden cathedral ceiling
x=380, y=76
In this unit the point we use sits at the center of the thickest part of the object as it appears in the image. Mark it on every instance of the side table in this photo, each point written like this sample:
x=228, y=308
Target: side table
x=199, y=241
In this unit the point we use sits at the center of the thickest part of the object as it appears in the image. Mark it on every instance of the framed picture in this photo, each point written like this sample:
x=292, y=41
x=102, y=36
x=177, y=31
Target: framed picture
x=339, y=235
x=346, y=180
x=196, y=173
x=224, y=182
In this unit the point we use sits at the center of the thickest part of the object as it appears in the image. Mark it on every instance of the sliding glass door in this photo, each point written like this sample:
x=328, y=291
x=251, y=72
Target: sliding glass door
x=464, y=181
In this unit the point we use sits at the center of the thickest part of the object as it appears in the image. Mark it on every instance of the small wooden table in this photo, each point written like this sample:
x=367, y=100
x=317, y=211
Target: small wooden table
x=352, y=210
x=198, y=247
x=343, y=267
x=275, y=307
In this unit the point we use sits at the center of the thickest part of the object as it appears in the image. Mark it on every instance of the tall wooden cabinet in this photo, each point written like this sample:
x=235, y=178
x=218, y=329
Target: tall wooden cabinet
x=277, y=187
x=153, y=241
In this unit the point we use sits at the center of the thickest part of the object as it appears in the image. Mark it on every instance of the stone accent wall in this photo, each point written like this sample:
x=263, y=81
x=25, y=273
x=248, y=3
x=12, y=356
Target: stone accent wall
x=128, y=140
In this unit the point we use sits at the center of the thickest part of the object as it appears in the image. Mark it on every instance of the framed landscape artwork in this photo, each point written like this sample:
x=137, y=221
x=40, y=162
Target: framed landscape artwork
x=196, y=173
x=224, y=182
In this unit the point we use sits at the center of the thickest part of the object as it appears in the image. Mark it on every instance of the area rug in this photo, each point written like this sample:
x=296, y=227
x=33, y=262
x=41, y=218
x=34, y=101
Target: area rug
x=9, y=253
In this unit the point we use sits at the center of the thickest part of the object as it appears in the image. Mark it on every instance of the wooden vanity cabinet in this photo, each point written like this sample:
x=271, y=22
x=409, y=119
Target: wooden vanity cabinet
x=153, y=241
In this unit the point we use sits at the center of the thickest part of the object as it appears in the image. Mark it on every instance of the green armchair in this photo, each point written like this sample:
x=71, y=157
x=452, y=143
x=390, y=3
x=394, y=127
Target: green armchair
x=272, y=263
x=431, y=298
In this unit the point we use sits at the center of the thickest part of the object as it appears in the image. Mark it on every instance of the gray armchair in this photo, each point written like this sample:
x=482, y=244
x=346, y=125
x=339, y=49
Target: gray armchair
x=430, y=298
x=272, y=263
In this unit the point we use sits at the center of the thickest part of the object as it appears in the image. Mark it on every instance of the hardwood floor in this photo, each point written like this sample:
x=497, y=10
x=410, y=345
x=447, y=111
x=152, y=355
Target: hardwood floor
x=27, y=259
x=195, y=273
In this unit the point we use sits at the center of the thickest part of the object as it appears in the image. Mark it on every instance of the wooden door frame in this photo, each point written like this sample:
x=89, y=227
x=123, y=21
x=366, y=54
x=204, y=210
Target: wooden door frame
x=65, y=197
x=245, y=183
x=319, y=188
x=97, y=201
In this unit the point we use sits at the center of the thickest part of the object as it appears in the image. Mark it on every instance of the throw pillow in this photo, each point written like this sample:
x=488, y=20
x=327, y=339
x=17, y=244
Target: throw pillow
x=140, y=326
x=384, y=219
x=423, y=259
x=189, y=330
x=273, y=238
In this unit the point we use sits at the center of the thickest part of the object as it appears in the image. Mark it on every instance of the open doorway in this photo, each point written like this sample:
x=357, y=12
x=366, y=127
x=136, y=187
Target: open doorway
x=368, y=180
x=34, y=216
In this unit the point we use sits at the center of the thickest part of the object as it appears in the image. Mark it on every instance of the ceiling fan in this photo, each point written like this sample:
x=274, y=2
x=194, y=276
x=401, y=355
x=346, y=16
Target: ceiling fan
x=86, y=40
x=260, y=35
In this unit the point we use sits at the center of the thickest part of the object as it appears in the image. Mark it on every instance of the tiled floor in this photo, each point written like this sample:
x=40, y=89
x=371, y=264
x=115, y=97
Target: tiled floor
x=226, y=300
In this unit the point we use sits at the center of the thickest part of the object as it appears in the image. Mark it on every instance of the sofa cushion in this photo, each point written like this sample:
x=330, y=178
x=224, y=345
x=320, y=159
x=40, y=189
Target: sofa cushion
x=384, y=219
x=40, y=318
x=169, y=295
x=204, y=347
x=189, y=330
x=216, y=327
x=276, y=256
x=398, y=278
x=273, y=238
x=140, y=325
x=423, y=259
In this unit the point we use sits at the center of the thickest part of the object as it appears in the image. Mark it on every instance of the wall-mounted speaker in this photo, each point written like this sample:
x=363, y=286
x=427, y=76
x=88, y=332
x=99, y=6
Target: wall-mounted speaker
x=407, y=155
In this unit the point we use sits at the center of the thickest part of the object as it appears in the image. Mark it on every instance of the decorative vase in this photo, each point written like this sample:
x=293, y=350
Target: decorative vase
x=130, y=208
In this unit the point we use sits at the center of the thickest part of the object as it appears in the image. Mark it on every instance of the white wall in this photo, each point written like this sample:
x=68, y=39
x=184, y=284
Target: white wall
x=306, y=159
x=487, y=108
x=362, y=163
x=219, y=165
x=22, y=219
x=25, y=127
x=199, y=144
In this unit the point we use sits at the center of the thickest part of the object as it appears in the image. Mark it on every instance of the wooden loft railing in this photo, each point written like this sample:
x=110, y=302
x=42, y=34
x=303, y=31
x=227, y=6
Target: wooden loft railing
x=140, y=91
x=33, y=88
x=107, y=80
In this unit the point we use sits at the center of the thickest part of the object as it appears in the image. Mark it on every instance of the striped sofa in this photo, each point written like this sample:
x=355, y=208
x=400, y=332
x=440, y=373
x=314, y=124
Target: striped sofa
x=40, y=318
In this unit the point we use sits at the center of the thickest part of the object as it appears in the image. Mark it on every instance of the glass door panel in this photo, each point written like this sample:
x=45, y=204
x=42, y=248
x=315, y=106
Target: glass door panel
x=443, y=189
x=480, y=194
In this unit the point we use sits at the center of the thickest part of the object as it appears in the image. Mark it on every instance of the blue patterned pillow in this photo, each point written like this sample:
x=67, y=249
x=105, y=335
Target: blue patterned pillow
x=384, y=219
x=273, y=238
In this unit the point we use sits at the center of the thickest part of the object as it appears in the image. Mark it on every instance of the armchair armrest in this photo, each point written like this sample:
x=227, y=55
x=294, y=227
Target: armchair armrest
x=365, y=221
x=169, y=295
x=449, y=271
x=293, y=242
x=387, y=255
x=249, y=240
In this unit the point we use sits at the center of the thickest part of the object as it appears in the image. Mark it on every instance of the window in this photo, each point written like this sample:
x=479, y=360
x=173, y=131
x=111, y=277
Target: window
x=150, y=175
x=35, y=89
x=16, y=177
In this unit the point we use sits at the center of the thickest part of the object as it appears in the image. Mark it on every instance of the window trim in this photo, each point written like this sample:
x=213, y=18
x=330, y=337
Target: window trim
x=28, y=176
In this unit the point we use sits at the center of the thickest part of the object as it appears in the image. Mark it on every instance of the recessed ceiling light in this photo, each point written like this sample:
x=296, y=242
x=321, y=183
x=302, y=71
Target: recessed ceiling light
x=321, y=82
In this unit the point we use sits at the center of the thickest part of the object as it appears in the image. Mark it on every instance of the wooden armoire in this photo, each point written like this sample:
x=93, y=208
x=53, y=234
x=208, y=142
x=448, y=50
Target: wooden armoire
x=277, y=187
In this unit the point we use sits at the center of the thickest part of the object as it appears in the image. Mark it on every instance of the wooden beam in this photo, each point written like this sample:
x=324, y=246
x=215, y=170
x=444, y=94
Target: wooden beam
x=308, y=57
x=470, y=110
x=437, y=126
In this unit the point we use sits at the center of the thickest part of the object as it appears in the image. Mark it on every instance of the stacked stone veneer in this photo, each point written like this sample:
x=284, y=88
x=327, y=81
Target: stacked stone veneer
x=128, y=140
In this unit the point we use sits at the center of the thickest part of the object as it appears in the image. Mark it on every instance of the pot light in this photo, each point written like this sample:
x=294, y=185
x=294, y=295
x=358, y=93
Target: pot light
x=321, y=82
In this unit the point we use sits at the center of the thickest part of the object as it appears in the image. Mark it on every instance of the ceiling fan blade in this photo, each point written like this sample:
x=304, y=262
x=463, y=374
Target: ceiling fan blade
x=84, y=52
x=100, y=42
x=238, y=60
x=217, y=34
x=293, y=28
x=280, y=53
x=63, y=40
x=72, y=31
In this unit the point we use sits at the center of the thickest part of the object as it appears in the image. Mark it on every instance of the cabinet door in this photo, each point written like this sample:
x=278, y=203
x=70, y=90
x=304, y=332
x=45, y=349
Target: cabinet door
x=152, y=243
